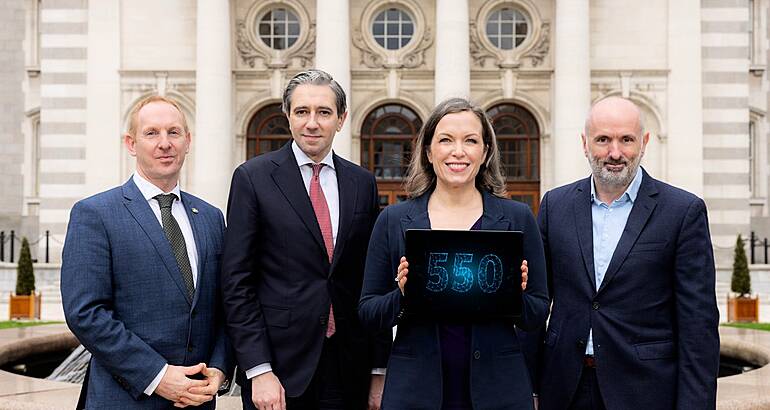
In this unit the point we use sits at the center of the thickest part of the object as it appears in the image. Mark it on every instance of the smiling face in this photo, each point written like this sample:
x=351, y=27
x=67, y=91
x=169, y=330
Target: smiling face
x=614, y=144
x=457, y=150
x=160, y=144
x=313, y=119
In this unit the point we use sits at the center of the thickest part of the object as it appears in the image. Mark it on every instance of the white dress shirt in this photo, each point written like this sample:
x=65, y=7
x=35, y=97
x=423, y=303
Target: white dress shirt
x=149, y=191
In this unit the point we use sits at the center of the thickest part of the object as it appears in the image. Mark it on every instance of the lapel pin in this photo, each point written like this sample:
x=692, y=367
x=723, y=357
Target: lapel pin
x=194, y=210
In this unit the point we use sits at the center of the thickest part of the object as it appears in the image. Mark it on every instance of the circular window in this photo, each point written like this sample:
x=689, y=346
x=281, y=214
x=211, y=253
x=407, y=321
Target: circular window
x=507, y=28
x=279, y=28
x=392, y=29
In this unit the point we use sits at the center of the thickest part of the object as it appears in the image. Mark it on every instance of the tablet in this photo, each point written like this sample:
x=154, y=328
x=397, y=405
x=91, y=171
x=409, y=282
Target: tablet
x=463, y=275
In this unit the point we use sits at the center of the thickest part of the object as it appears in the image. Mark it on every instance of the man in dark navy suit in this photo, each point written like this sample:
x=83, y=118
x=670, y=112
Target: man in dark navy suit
x=140, y=278
x=631, y=273
x=299, y=221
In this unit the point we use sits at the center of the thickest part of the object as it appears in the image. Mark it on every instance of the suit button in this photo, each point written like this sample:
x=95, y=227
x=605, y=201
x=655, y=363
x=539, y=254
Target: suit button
x=477, y=355
x=595, y=305
x=581, y=343
x=323, y=321
x=190, y=348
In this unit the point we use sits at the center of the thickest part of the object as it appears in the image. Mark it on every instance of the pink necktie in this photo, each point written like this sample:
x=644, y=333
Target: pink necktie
x=321, y=209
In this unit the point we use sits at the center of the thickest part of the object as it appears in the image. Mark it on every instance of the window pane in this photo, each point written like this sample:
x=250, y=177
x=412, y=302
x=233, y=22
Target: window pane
x=392, y=44
x=279, y=28
x=407, y=29
x=392, y=29
x=492, y=29
x=378, y=29
x=506, y=43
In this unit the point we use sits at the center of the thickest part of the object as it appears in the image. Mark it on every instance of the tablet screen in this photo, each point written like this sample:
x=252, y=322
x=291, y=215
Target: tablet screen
x=463, y=275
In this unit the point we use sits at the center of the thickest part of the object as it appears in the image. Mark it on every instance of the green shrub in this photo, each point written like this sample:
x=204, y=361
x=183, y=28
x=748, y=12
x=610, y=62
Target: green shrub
x=741, y=280
x=25, y=274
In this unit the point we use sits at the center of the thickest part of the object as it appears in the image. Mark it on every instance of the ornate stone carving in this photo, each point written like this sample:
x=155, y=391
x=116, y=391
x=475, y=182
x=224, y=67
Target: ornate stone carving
x=306, y=53
x=537, y=53
x=246, y=48
x=253, y=50
x=479, y=52
x=369, y=57
x=416, y=57
x=376, y=57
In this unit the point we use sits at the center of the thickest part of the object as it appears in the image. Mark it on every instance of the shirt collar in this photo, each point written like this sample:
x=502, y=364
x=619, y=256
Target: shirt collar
x=303, y=159
x=149, y=191
x=631, y=192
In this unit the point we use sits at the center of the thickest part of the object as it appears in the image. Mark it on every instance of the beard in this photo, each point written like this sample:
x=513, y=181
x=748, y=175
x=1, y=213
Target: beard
x=619, y=179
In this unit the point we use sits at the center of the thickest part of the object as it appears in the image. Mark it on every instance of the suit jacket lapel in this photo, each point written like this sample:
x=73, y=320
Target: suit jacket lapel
x=640, y=213
x=348, y=193
x=140, y=210
x=493, y=218
x=417, y=215
x=196, y=222
x=289, y=181
x=584, y=226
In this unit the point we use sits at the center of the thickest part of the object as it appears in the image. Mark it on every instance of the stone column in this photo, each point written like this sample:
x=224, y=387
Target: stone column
x=572, y=89
x=452, y=72
x=213, y=140
x=332, y=54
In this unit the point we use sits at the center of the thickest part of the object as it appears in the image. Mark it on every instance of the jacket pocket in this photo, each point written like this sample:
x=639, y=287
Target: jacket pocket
x=649, y=246
x=655, y=350
x=276, y=316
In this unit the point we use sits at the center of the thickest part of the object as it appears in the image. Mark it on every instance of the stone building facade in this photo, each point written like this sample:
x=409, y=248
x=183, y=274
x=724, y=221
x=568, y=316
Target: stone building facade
x=71, y=70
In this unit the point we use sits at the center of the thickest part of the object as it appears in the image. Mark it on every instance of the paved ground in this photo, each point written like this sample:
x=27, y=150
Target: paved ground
x=749, y=391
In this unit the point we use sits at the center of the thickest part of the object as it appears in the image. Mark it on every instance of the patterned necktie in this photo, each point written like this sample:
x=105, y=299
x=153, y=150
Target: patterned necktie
x=321, y=209
x=176, y=239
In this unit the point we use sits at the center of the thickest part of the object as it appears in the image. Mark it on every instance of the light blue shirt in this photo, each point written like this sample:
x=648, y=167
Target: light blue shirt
x=608, y=222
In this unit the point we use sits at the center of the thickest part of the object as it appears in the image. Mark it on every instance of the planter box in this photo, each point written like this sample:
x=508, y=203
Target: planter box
x=24, y=307
x=742, y=309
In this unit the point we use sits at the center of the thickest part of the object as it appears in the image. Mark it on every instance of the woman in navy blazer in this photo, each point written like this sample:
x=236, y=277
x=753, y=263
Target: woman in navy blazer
x=454, y=182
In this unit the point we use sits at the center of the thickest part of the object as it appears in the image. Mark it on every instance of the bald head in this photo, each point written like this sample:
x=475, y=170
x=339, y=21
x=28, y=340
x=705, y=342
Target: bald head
x=614, y=110
x=614, y=144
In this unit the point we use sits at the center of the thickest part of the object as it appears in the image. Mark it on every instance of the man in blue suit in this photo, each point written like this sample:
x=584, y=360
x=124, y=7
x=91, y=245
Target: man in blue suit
x=631, y=273
x=140, y=278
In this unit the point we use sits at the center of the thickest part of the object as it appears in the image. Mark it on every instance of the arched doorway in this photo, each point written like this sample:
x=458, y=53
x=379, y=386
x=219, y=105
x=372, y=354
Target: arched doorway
x=518, y=137
x=268, y=130
x=387, y=136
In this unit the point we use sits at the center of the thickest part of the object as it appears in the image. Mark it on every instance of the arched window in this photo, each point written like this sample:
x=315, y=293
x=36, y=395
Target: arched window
x=387, y=136
x=268, y=131
x=518, y=137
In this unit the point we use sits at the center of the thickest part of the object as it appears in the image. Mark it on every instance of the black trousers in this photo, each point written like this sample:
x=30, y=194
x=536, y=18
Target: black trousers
x=588, y=396
x=326, y=389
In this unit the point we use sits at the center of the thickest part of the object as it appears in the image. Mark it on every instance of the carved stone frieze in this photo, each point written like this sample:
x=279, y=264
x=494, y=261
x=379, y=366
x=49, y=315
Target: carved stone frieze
x=246, y=48
x=416, y=57
x=479, y=52
x=377, y=57
x=253, y=51
x=538, y=53
x=369, y=57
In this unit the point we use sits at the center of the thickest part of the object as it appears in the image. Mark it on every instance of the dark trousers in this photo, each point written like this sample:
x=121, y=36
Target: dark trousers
x=588, y=396
x=325, y=391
